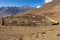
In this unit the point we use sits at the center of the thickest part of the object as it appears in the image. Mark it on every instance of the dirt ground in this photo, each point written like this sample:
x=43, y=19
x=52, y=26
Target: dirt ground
x=30, y=33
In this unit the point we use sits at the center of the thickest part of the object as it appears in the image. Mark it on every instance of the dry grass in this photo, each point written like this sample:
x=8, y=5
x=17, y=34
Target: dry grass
x=25, y=20
x=11, y=30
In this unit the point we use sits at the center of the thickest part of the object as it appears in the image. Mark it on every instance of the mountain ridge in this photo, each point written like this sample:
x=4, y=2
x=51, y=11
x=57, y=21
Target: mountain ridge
x=4, y=11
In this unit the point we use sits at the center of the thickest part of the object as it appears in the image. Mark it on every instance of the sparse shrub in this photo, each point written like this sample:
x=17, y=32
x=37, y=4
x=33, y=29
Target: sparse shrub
x=22, y=23
x=43, y=33
x=14, y=22
x=32, y=24
x=27, y=24
x=58, y=34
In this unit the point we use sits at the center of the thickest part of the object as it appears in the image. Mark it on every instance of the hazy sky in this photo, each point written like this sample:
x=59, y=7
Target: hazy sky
x=33, y=3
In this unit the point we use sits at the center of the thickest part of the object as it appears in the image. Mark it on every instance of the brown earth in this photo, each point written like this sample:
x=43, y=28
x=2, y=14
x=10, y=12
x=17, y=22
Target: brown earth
x=41, y=32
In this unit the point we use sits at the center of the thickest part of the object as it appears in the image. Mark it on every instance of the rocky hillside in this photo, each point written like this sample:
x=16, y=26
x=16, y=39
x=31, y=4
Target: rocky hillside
x=25, y=20
x=45, y=15
x=52, y=8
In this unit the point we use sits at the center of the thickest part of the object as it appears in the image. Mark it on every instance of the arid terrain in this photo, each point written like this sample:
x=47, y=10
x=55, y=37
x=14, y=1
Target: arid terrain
x=36, y=24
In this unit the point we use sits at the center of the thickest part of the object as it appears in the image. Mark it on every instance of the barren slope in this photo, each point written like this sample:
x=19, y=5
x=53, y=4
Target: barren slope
x=49, y=32
x=49, y=9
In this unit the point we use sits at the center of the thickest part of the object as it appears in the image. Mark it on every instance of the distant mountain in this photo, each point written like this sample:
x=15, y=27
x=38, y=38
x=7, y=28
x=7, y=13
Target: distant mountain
x=4, y=11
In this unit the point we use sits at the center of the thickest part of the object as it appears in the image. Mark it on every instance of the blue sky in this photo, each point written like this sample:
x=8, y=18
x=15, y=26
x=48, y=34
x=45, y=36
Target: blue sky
x=33, y=3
